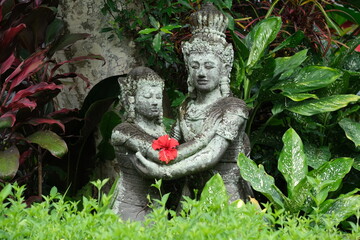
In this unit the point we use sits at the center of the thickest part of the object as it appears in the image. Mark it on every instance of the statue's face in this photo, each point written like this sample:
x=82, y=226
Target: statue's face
x=148, y=99
x=205, y=71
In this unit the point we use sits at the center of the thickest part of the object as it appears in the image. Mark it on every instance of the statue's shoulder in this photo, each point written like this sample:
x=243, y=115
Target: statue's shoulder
x=122, y=132
x=232, y=105
x=126, y=128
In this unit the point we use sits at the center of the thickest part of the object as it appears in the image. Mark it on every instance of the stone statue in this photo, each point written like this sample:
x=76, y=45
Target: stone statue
x=210, y=122
x=141, y=95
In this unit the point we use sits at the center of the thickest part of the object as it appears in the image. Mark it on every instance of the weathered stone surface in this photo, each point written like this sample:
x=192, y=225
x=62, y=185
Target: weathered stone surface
x=85, y=17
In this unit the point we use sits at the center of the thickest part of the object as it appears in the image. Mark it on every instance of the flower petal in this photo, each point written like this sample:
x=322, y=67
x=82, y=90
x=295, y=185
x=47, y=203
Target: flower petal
x=173, y=143
x=161, y=142
x=167, y=155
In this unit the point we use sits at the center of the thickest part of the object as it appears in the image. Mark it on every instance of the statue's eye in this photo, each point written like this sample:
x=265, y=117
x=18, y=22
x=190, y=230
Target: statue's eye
x=209, y=66
x=158, y=96
x=194, y=65
x=147, y=95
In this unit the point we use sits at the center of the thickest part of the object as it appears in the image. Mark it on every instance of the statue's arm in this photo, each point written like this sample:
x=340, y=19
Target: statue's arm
x=202, y=160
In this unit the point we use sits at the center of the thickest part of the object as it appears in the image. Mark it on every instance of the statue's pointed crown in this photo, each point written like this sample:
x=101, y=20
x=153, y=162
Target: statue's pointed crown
x=208, y=21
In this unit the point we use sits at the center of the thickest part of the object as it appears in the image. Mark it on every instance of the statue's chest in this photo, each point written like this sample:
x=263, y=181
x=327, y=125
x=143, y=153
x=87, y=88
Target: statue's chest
x=193, y=122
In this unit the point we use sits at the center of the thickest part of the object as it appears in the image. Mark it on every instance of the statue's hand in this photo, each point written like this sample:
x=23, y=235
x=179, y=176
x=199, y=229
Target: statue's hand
x=149, y=168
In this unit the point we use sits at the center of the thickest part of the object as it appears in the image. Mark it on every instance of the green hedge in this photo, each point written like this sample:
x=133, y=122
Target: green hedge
x=209, y=218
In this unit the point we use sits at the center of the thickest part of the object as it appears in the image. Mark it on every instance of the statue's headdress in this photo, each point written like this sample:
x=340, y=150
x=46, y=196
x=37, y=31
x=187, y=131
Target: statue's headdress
x=208, y=27
x=129, y=86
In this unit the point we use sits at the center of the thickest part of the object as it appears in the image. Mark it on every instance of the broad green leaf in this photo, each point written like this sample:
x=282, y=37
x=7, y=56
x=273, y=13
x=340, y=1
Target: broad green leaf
x=298, y=97
x=9, y=163
x=283, y=64
x=291, y=41
x=53, y=30
x=67, y=40
x=342, y=207
x=316, y=156
x=147, y=30
x=157, y=42
x=356, y=164
x=49, y=141
x=260, y=38
x=170, y=27
x=292, y=161
x=328, y=177
x=260, y=180
x=240, y=47
x=214, y=194
x=352, y=130
x=309, y=78
x=109, y=120
x=334, y=170
x=326, y=104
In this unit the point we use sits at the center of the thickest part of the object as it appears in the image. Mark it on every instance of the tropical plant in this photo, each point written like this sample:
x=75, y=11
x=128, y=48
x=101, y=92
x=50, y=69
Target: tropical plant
x=211, y=217
x=307, y=191
x=29, y=124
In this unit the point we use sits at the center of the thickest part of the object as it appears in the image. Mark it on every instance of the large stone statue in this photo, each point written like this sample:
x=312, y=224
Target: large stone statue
x=210, y=122
x=141, y=95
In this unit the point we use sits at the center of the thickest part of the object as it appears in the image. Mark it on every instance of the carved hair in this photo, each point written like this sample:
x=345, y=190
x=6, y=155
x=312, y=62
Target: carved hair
x=129, y=86
x=208, y=26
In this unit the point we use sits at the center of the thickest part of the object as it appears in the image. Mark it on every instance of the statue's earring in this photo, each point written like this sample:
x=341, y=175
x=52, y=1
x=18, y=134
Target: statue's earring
x=225, y=86
x=131, y=109
x=190, y=88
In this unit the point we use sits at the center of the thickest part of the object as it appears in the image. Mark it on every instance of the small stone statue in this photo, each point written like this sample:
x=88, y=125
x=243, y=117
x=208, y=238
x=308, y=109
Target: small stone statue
x=210, y=122
x=142, y=94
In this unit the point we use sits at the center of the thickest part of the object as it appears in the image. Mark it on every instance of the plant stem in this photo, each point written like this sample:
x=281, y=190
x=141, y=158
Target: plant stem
x=271, y=9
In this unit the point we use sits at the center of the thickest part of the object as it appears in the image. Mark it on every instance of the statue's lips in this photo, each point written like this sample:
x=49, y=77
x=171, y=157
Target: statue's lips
x=154, y=110
x=202, y=81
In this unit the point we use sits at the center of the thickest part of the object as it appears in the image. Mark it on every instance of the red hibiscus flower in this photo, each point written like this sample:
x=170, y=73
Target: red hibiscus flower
x=166, y=145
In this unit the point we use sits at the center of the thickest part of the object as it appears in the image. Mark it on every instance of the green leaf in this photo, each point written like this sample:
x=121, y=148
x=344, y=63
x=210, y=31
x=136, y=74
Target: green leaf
x=157, y=42
x=49, y=141
x=214, y=194
x=109, y=120
x=292, y=161
x=298, y=97
x=67, y=40
x=9, y=163
x=260, y=180
x=147, y=30
x=260, y=38
x=186, y=4
x=334, y=170
x=343, y=207
x=5, y=192
x=309, y=78
x=291, y=41
x=326, y=104
x=283, y=64
x=154, y=22
x=316, y=156
x=240, y=47
x=328, y=178
x=6, y=122
x=352, y=130
x=170, y=27
x=356, y=164
x=53, y=30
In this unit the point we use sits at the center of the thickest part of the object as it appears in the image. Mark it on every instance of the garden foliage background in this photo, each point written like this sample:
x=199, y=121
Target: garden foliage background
x=297, y=66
